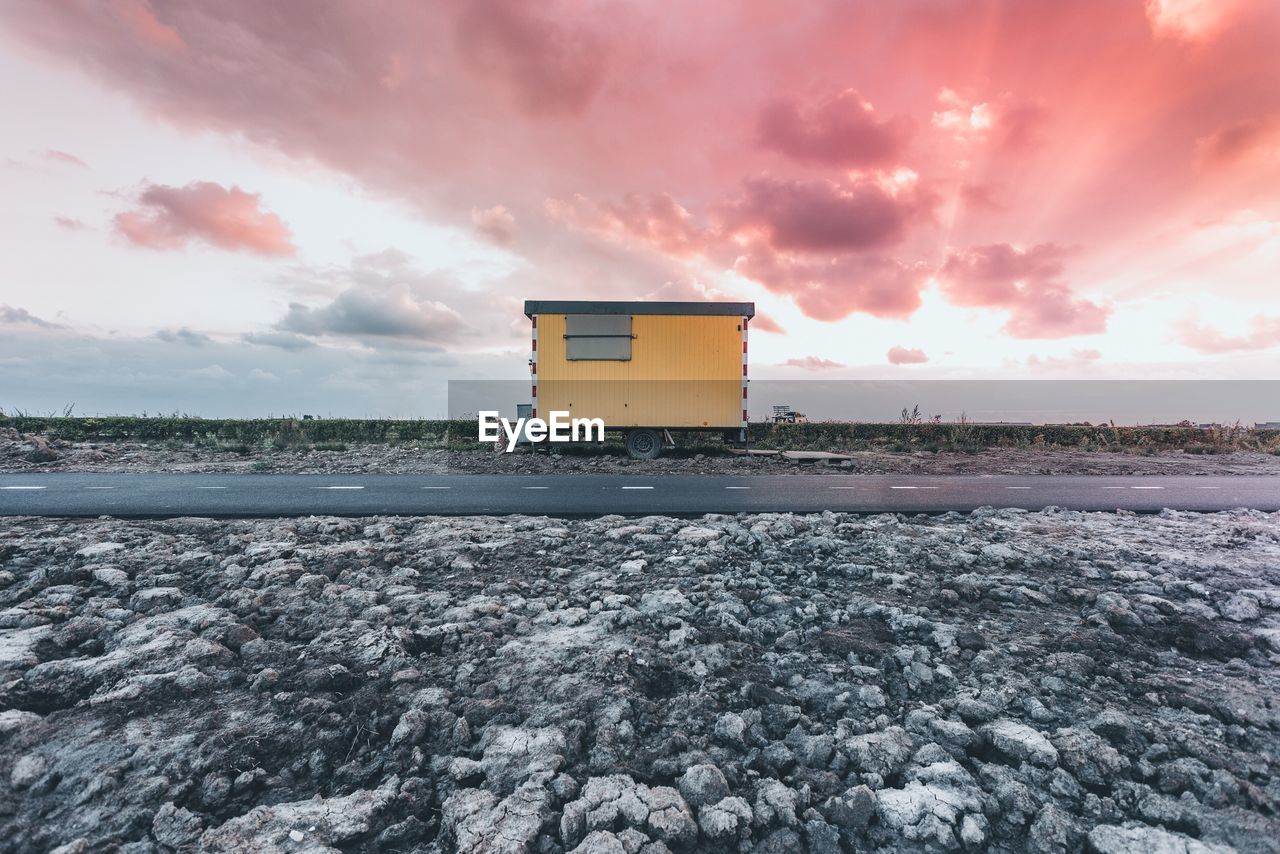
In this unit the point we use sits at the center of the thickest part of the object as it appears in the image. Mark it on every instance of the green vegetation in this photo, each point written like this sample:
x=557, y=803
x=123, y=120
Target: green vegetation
x=244, y=436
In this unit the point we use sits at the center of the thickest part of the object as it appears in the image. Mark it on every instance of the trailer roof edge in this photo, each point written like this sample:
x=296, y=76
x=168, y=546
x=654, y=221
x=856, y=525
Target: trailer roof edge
x=734, y=309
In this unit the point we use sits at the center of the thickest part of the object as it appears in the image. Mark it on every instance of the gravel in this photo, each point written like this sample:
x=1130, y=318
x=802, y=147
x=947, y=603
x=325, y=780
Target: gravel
x=996, y=681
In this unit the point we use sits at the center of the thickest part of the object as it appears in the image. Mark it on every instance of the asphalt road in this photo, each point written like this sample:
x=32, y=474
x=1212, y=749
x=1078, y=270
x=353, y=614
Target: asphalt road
x=246, y=495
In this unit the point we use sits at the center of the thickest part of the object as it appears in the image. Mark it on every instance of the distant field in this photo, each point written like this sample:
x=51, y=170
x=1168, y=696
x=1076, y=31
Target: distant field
x=243, y=435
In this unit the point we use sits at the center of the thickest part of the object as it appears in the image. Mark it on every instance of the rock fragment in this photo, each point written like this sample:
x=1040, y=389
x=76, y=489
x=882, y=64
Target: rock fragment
x=726, y=819
x=703, y=784
x=1021, y=743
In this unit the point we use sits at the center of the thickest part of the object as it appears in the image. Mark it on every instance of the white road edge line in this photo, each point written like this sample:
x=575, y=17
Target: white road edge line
x=22, y=487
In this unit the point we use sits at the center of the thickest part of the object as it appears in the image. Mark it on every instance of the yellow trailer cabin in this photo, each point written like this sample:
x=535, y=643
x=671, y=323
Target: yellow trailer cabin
x=642, y=367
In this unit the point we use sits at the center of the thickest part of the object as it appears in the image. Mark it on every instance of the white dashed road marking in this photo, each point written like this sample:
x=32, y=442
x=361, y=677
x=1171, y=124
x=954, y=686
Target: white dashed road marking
x=1017, y=487
x=21, y=487
x=535, y=487
x=1146, y=487
x=337, y=487
x=737, y=487
x=437, y=487
x=637, y=487
x=913, y=487
x=210, y=487
x=844, y=487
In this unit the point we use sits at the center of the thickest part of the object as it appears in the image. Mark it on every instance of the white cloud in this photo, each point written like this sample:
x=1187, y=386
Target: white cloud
x=212, y=372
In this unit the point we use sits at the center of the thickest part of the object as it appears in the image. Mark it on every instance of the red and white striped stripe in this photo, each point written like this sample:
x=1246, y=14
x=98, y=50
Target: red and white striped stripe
x=744, y=372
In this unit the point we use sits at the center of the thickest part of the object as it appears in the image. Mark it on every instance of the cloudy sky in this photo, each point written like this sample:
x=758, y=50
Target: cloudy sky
x=242, y=208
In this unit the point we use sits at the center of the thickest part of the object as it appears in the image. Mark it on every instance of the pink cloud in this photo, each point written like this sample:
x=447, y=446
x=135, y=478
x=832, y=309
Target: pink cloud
x=495, y=224
x=63, y=157
x=979, y=197
x=551, y=64
x=1076, y=359
x=804, y=240
x=693, y=290
x=1241, y=141
x=996, y=274
x=1191, y=20
x=825, y=216
x=843, y=130
x=659, y=221
x=689, y=289
x=833, y=288
x=142, y=19
x=812, y=363
x=706, y=127
x=1021, y=126
x=1006, y=123
x=800, y=239
x=906, y=356
x=1027, y=283
x=1263, y=334
x=1052, y=311
x=171, y=217
x=765, y=323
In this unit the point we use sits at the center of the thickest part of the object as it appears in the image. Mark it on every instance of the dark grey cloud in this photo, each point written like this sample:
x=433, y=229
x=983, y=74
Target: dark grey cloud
x=183, y=335
x=283, y=340
x=394, y=313
x=20, y=316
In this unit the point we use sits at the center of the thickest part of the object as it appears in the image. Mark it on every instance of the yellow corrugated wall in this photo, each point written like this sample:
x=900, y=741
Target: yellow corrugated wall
x=685, y=371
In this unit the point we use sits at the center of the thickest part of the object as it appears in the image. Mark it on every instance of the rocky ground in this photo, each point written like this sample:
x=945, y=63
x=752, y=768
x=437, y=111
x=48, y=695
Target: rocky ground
x=39, y=454
x=1001, y=681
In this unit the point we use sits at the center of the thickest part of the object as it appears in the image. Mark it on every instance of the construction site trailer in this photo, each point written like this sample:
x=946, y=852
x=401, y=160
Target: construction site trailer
x=642, y=367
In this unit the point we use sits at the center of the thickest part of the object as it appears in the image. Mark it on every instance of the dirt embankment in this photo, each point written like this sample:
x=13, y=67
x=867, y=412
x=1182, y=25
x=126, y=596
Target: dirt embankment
x=1002, y=681
x=31, y=453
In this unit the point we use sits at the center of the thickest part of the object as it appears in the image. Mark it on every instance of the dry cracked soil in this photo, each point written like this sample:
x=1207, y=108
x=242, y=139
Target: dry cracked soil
x=996, y=681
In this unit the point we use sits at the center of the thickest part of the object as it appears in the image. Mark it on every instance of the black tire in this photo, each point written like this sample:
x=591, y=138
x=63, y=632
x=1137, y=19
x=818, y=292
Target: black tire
x=644, y=444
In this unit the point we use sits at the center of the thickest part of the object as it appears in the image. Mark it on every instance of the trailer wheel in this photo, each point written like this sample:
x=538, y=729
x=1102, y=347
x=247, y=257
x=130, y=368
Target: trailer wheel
x=644, y=444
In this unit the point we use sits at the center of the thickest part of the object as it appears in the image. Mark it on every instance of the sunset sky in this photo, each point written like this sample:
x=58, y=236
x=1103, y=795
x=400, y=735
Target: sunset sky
x=240, y=208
